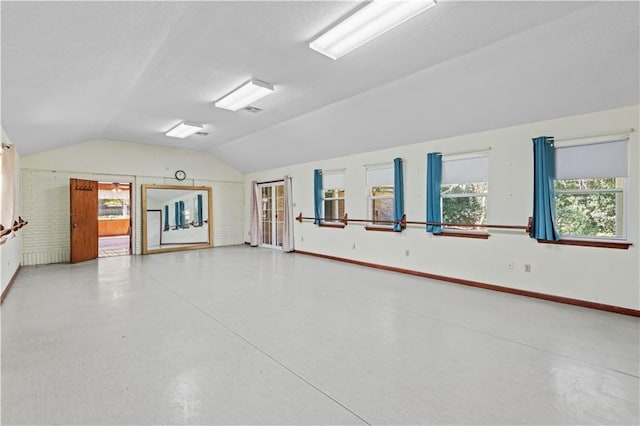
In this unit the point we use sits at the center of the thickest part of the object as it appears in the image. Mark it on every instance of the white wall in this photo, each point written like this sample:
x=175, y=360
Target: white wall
x=608, y=276
x=45, y=190
x=10, y=250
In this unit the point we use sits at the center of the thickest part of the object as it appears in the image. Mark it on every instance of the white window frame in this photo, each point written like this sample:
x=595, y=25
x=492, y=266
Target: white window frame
x=334, y=215
x=454, y=157
x=624, y=208
x=623, y=191
x=371, y=197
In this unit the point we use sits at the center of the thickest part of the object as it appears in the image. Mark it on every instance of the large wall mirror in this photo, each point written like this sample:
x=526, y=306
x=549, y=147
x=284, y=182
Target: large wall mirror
x=176, y=218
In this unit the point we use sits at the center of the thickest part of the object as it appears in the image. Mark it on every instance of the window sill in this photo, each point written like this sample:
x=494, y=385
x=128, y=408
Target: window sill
x=462, y=234
x=590, y=243
x=332, y=225
x=379, y=228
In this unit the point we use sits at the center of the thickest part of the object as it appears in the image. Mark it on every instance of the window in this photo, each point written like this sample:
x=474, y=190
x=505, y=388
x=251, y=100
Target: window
x=380, y=192
x=590, y=190
x=464, y=190
x=333, y=195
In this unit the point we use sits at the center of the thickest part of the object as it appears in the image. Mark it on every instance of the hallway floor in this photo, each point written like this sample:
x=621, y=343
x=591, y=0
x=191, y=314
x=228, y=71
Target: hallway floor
x=240, y=335
x=113, y=246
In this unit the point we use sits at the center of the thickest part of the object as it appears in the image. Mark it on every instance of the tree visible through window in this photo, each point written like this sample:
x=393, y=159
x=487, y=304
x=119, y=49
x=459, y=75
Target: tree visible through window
x=464, y=203
x=464, y=190
x=590, y=207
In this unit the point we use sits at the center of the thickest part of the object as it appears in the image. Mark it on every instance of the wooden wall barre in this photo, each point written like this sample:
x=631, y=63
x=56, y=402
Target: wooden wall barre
x=404, y=222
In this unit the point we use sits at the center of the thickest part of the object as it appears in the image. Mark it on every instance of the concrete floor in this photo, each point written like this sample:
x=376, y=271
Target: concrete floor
x=240, y=335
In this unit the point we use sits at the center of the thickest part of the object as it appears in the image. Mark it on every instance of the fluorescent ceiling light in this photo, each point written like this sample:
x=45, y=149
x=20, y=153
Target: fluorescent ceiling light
x=184, y=129
x=244, y=95
x=374, y=19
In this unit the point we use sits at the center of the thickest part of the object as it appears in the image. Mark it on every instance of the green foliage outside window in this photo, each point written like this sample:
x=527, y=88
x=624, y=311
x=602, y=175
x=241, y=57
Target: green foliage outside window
x=464, y=203
x=589, y=207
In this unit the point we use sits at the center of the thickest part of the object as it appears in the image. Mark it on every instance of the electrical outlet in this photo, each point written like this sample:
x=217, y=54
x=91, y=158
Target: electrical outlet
x=406, y=252
x=509, y=265
x=527, y=267
x=301, y=239
x=353, y=246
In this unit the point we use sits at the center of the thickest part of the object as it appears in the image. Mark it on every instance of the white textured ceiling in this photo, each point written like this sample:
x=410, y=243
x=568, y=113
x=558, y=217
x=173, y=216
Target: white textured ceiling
x=77, y=71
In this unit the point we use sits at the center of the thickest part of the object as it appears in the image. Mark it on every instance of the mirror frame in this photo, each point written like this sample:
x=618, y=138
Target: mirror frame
x=197, y=246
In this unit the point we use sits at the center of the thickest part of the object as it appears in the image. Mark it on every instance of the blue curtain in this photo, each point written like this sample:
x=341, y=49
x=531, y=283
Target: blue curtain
x=434, y=179
x=182, y=224
x=398, y=194
x=317, y=196
x=177, y=214
x=544, y=194
x=166, y=218
x=200, y=210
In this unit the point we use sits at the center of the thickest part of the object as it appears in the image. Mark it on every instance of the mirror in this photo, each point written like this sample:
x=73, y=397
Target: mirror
x=175, y=218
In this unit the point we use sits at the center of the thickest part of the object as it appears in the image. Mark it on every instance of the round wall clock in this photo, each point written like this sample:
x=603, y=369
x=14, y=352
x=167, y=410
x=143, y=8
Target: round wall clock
x=181, y=175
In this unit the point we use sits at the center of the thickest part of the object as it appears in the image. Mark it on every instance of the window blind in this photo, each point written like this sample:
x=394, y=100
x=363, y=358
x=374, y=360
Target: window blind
x=597, y=160
x=465, y=170
x=380, y=176
x=333, y=180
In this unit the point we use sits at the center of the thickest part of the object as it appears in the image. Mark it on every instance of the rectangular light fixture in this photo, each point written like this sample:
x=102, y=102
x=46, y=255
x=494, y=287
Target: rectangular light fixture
x=374, y=19
x=244, y=95
x=184, y=129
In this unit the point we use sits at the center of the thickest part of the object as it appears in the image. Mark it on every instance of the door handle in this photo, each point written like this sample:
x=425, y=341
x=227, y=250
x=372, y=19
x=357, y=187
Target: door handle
x=75, y=225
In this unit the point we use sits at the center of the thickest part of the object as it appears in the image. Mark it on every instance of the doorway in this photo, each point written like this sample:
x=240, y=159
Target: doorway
x=272, y=214
x=114, y=219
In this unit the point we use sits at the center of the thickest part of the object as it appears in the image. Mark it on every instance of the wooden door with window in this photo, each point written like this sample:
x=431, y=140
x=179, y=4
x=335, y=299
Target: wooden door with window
x=84, y=219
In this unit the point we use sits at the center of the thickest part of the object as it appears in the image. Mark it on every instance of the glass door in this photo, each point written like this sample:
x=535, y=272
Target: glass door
x=272, y=214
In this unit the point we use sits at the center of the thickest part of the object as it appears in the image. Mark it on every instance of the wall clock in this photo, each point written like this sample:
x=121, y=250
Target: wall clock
x=181, y=175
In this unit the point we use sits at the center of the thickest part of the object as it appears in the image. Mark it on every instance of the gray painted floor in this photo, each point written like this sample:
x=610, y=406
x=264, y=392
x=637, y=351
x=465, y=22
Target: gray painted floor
x=239, y=335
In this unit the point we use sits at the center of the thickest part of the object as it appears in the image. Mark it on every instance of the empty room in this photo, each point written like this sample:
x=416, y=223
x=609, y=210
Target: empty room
x=320, y=212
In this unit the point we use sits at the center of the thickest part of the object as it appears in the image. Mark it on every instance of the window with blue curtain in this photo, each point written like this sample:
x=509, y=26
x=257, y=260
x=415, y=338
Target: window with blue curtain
x=398, y=194
x=544, y=203
x=317, y=196
x=166, y=218
x=434, y=179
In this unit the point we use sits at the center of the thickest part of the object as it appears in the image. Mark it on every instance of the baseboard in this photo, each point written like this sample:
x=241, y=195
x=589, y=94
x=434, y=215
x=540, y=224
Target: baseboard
x=6, y=290
x=527, y=293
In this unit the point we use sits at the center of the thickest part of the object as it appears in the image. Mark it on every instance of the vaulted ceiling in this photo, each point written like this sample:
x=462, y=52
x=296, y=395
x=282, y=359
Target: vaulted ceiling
x=78, y=71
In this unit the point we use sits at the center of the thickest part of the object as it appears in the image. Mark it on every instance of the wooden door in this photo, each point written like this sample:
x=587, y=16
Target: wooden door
x=84, y=219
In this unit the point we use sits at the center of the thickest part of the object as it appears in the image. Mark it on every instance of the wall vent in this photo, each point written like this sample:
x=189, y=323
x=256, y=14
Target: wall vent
x=202, y=133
